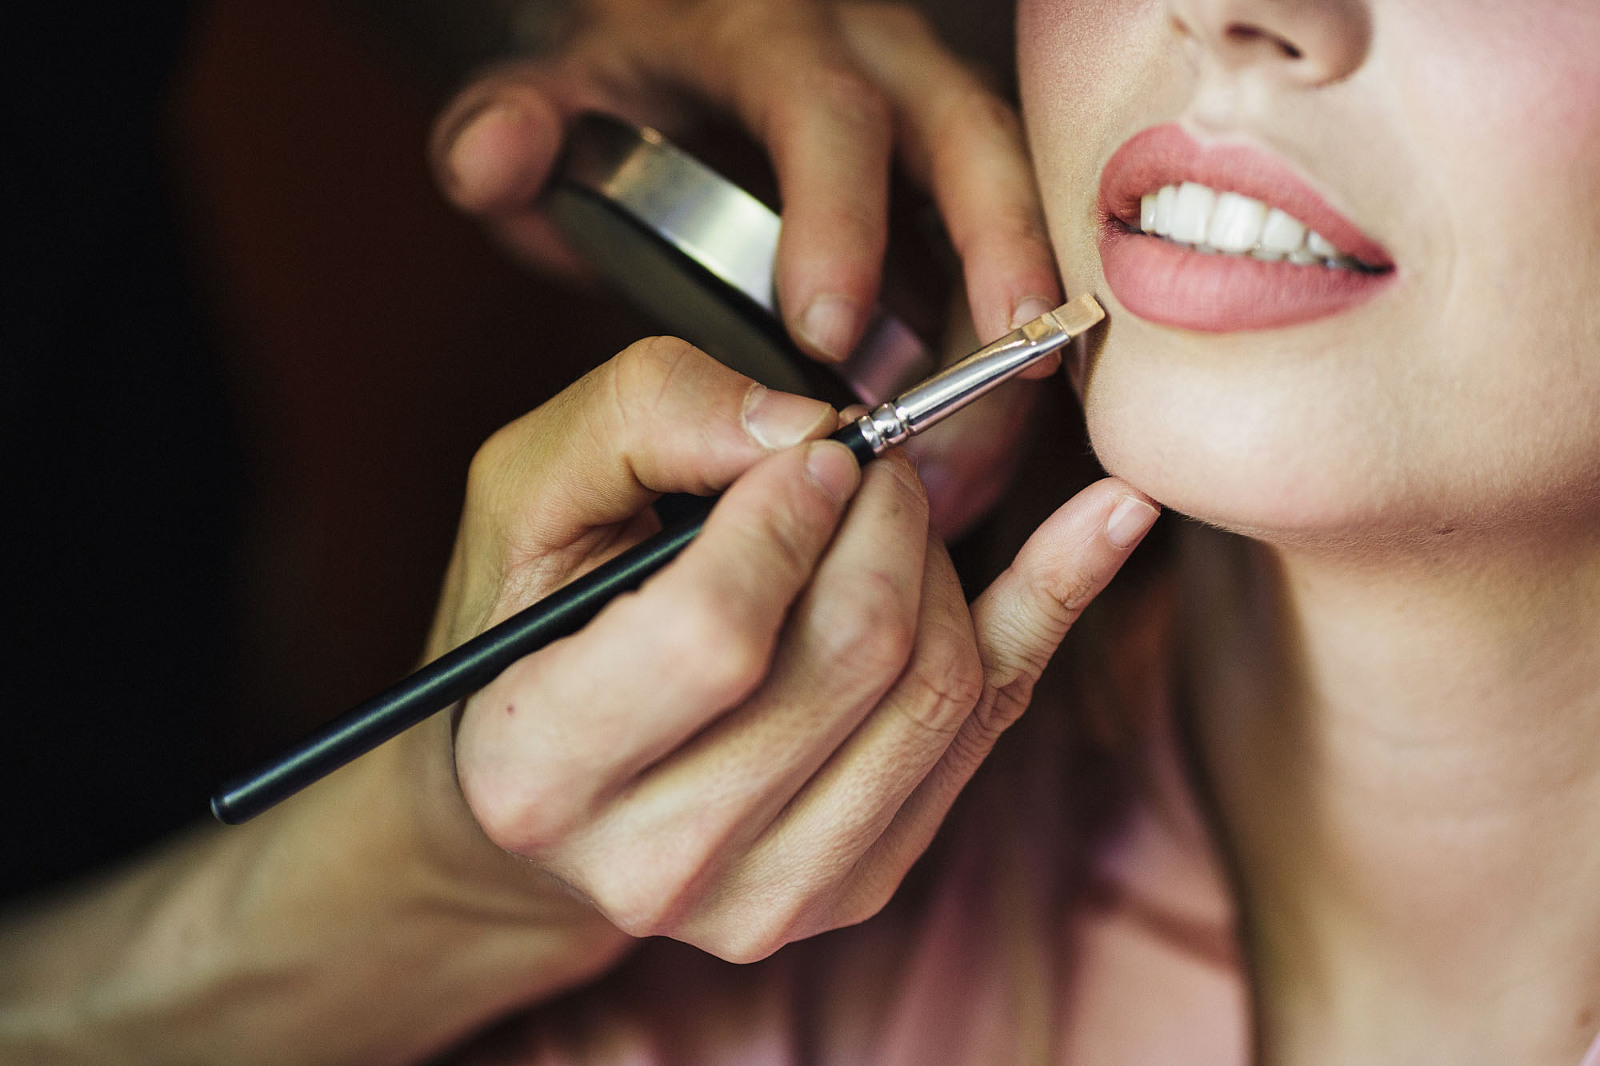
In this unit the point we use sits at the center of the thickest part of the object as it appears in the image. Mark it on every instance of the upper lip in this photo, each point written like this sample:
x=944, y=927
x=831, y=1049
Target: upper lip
x=1169, y=155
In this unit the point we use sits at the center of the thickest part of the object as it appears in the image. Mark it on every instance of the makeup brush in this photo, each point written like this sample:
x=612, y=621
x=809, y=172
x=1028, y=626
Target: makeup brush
x=468, y=668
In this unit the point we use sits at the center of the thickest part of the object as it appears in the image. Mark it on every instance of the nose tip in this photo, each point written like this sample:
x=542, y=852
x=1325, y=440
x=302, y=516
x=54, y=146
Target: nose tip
x=1301, y=42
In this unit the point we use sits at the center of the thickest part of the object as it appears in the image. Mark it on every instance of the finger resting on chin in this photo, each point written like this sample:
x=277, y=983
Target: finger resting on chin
x=1023, y=616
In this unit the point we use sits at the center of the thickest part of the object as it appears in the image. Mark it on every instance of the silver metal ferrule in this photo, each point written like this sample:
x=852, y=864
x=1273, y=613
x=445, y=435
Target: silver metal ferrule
x=951, y=389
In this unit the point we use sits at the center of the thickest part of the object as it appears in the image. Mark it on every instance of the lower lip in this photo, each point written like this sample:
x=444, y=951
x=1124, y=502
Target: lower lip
x=1173, y=285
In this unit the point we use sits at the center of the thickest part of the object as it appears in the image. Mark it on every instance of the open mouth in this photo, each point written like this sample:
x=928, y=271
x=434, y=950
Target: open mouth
x=1227, y=237
x=1211, y=222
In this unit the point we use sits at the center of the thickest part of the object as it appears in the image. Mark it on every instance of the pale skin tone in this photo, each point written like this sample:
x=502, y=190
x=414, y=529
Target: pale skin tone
x=1398, y=713
x=750, y=750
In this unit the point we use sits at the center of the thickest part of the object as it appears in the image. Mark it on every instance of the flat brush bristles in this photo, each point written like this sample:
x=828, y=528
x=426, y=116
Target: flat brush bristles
x=1078, y=316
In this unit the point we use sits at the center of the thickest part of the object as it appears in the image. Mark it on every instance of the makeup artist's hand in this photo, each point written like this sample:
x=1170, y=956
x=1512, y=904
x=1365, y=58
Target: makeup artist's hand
x=755, y=746
x=829, y=89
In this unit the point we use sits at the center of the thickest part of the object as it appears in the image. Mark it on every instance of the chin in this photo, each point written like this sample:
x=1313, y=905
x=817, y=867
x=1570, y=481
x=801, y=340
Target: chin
x=1340, y=502
x=1288, y=489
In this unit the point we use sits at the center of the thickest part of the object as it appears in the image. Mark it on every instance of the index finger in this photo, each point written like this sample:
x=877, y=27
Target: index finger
x=784, y=69
x=965, y=145
x=661, y=417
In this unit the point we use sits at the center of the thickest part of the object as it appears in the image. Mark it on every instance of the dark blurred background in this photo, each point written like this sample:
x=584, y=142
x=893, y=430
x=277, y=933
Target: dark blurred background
x=248, y=353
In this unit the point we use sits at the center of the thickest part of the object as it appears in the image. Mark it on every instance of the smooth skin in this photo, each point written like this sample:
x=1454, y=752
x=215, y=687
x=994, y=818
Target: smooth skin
x=1396, y=693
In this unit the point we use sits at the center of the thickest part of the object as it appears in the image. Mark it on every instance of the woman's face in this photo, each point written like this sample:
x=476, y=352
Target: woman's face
x=1443, y=374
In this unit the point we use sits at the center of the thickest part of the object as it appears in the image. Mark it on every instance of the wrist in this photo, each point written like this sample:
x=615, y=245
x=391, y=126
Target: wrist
x=366, y=919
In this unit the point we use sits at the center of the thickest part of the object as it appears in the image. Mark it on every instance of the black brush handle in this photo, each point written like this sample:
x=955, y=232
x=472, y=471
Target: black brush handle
x=453, y=676
x=457, y=674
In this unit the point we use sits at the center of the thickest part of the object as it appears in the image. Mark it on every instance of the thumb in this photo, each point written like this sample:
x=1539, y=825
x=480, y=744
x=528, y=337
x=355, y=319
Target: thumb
x=1022, y=617
x=493, y=146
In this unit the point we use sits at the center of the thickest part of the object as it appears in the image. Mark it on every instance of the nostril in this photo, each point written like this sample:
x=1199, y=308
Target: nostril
x=1302, y=42
x=1241, y=34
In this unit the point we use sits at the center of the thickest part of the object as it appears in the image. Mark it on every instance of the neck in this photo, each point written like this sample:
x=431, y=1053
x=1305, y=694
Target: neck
x=1404, y=758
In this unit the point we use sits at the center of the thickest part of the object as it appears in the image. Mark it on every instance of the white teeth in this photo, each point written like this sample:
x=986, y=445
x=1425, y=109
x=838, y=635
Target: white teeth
x=1191, y=215
x=1166, y=199
x=1281, y=234
x=1234, y=224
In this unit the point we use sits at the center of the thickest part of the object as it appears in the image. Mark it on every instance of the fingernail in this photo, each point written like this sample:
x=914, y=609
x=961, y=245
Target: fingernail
x=1130, y=521
x=1030, y=308
x=834, y=469
x=471, y=157
x=829, y=326
x=781, y=419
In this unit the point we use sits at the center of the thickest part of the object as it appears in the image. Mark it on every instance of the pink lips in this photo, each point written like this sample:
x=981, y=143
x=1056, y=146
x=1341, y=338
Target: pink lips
x=1177, y=286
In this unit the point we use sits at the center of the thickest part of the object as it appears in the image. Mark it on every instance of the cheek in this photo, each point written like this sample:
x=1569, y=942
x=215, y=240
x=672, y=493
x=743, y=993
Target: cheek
x=1090, y=74
x=1504, y=104
x=1503, y=107
x=1067, y=41
x=1473, y=390
x=1523, y=72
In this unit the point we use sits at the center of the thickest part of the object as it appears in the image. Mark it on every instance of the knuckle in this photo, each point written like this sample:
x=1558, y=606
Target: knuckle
x=639, y=906
x=787, y=532
x=867, y=227
x=645, y=369
x=908, y=483
x=737, y=946
x=813, y=95
x=522, y=818
x=873, y=633
x=1009, y=233
x=945, y=686
x=1006, y=229
x=847, y=95
x=490, y=458
x=736, y=27
x=654, y=902
x=997, y=711
x=1072, y=592
x=497, y=457
x=753, y=937
x=994, y=716
x=707, y=638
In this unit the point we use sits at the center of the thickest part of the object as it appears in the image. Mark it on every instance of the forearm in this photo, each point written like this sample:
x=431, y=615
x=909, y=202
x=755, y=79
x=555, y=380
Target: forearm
x=337, y=929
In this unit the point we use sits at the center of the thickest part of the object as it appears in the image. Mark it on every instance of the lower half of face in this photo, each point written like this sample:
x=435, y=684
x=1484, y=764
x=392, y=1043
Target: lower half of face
x=1352, y=265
